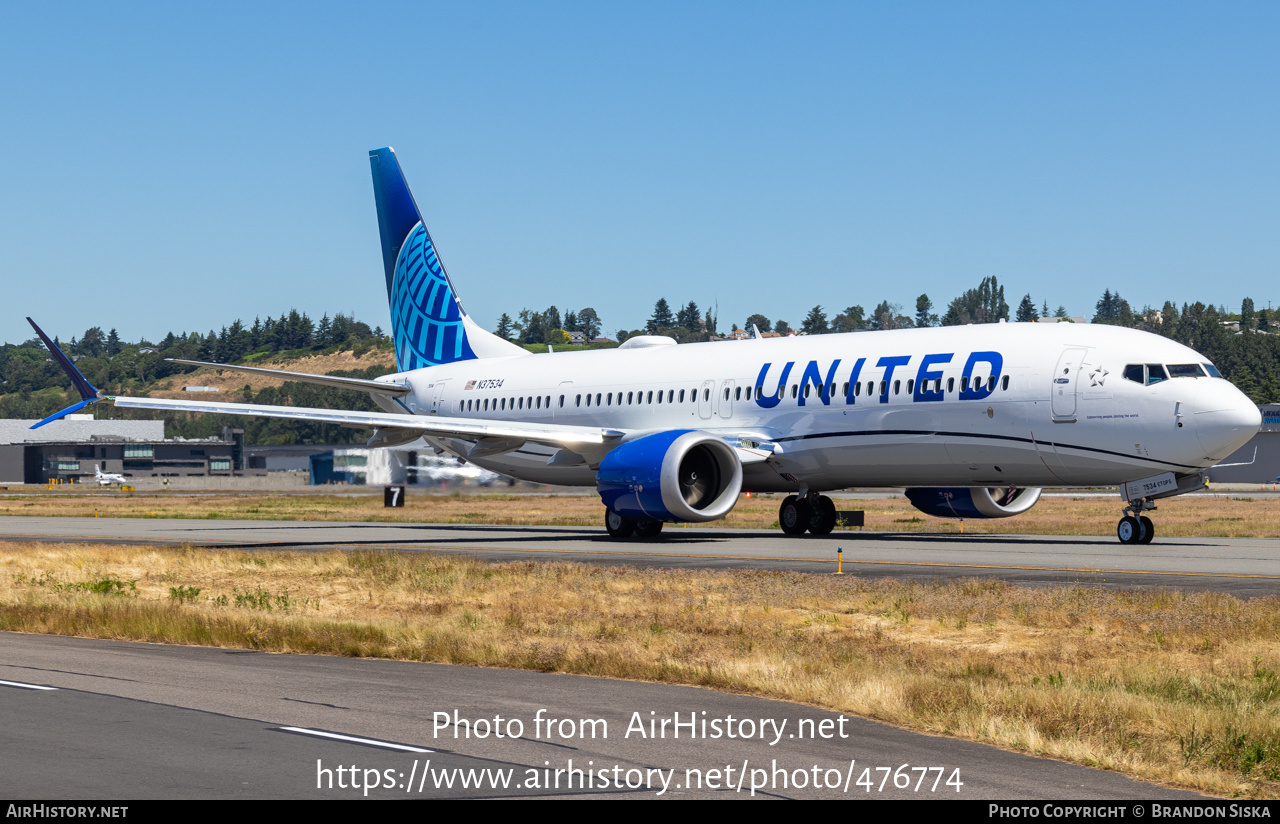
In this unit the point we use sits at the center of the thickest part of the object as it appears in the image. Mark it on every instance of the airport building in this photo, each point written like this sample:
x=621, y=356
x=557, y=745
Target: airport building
x=66, y=451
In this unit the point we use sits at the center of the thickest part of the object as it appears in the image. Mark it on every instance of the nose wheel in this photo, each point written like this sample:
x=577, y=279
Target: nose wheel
x=1135, y=528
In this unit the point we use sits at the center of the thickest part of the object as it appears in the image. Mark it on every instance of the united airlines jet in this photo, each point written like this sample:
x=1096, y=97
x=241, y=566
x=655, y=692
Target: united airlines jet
x=973, y=420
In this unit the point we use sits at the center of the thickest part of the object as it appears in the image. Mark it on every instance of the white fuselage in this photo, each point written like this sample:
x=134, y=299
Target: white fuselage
x=1059, y=412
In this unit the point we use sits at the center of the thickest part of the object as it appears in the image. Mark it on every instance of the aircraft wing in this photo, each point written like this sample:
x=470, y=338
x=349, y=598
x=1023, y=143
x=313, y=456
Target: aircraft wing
x=394, y=390
x=555, y=434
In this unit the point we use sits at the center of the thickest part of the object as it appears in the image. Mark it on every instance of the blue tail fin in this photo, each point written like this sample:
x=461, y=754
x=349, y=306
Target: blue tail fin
x=428, y=324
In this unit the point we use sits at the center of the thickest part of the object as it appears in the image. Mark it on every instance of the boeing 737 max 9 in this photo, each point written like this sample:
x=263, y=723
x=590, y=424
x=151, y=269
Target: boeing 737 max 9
x=973, y=421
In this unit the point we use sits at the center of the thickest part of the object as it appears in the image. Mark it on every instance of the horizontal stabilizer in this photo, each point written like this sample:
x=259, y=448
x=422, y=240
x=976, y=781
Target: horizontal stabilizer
x=394, y=390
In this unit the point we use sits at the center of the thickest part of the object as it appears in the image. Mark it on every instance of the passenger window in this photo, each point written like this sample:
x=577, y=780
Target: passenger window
x=706, y=394
x=991, y=383
x=628, y=397
x=1155, y=373
x=857, y=389
x=794, y=390
x=951, y=384
x=806, y=390
x=737, y=394
x=884, y=388
x=911, y=385
x=649, y=397
x=681, y=396
x=562, y=401
x=1004, y=384
x=896, y=386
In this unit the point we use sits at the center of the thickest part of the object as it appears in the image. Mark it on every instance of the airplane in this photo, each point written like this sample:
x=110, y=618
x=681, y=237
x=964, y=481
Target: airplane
x=107, y=478
x=973, y=421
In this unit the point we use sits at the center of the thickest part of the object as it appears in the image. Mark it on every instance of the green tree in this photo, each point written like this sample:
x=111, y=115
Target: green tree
x=924, y=308
x=661, y=318
x=1026, y=310
x=589, y=323
x=504, y=327
x=850, y=320
x=759, y=321
x=986, y=304
x=816, y=322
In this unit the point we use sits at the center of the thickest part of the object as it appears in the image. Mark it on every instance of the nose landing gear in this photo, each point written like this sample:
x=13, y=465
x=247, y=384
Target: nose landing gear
x=1134, y=527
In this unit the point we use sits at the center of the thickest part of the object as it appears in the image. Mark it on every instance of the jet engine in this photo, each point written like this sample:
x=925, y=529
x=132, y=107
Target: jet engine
x=974, y=502
x=682, y=475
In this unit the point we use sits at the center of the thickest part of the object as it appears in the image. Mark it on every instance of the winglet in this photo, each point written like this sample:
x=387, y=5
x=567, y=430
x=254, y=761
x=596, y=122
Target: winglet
x=88, y=393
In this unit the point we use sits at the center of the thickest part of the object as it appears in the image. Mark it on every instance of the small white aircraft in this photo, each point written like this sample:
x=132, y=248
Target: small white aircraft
x=107, y=478
x=972, y=420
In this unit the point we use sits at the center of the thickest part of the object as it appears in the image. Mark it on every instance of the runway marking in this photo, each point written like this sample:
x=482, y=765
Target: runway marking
x=370, y=742
x=285, y=545
x=21, y=685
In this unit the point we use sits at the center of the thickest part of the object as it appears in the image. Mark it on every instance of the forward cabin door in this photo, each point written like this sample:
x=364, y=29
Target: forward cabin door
x=1063, y=388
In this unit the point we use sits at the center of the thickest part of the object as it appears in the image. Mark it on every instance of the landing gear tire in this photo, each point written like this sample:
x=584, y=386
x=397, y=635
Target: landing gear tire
x=618, y=526
x=793, y=515
x=822, y=518
x=1148, y=530
x=648, y=529
x=1129, y=530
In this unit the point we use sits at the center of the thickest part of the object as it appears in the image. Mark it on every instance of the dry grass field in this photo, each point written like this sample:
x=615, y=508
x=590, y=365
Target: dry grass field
x=1172, y=687
x=1228, y=514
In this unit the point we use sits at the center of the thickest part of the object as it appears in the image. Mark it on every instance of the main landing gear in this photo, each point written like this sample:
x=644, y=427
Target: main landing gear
x=813, y=513
x=1134, y=527
x=620, y=527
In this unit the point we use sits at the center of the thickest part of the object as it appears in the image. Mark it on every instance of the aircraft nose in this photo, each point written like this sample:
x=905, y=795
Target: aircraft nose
x=1225, y=418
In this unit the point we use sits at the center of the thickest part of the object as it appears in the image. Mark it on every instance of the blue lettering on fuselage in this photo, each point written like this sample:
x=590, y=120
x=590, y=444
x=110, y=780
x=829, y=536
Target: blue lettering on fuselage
x=890, y=363
x=812, y=375
x=771, y=400
x=925, y=374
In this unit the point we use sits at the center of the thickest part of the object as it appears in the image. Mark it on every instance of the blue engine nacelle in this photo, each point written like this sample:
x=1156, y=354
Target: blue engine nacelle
x=974, y=502
x=683, y=475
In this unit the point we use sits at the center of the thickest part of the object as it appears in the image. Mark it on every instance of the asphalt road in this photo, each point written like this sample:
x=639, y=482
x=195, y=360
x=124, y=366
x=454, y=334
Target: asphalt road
x=139, y=721
x=1242, y=566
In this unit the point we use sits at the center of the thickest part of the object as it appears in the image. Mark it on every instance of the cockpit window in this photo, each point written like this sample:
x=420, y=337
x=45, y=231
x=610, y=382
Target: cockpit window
x=1134, y=372
x=1213, y=370
x=1156, y=373
x=1185, y=370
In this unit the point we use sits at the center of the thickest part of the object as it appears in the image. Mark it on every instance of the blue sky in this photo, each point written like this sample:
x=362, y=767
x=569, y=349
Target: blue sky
x=173, y=166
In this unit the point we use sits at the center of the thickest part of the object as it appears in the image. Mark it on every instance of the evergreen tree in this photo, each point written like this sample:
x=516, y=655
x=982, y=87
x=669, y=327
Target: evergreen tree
x=690, y=317
x=924, y=307
x=782, y=327
x=661, y=319
x=760, y=322
x=986, y=304
x=816, y=322
x=1026, y=310
x=504, y=327
x=1247, y=320
x=1114, y=310
x=1044, y=310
